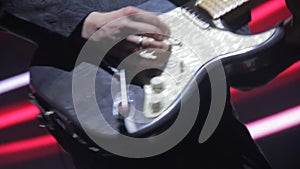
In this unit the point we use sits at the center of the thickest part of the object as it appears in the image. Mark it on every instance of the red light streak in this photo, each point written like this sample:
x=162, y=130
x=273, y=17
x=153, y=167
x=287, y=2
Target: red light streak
x=268, y=15
x=274, y=123
x=18, y=113
x=288, y=76
x=29, y=149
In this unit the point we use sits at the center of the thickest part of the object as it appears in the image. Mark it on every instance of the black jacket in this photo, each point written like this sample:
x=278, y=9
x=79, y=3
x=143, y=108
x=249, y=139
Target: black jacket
x=60, y=16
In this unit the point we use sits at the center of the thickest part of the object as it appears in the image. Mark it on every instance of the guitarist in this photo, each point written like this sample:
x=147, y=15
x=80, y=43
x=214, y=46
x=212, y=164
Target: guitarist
x=56, y=25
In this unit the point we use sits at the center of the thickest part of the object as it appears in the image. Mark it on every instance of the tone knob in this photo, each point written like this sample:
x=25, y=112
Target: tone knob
x=157, y=84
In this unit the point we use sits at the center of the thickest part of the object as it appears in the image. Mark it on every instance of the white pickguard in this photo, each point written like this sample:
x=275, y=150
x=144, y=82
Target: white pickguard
x=200, y=44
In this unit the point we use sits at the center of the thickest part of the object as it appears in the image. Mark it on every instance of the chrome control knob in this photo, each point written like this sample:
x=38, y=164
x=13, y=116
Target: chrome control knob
x=157, y=84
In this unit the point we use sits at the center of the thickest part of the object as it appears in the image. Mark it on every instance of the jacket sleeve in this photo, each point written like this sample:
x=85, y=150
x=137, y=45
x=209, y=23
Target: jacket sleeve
x=60, y=16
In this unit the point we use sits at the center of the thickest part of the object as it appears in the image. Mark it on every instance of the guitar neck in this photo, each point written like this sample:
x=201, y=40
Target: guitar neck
x=218, y=8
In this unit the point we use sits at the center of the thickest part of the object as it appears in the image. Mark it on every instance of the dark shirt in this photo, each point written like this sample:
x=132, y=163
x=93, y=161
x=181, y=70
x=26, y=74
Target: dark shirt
x=62, y=16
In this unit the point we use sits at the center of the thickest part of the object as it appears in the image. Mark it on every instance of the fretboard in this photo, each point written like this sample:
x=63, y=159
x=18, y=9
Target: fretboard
x=218, y=8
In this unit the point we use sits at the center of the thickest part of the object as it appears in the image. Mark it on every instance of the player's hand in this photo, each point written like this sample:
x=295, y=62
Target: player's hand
x=126, y=21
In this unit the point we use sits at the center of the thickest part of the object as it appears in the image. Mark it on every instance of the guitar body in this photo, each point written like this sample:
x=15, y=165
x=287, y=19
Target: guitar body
x=201, y=46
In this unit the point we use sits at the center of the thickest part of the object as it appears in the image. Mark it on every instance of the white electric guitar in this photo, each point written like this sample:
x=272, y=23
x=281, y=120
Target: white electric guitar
x=195, y=45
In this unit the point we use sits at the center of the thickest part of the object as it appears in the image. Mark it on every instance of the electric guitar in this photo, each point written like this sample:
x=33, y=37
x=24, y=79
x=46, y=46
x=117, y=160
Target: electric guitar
x=196, y=46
